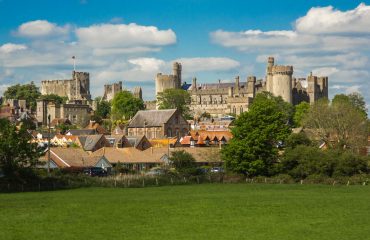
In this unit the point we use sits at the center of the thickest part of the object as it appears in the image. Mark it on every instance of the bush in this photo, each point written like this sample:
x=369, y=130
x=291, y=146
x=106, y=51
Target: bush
x=183, y=162
x=304, y=161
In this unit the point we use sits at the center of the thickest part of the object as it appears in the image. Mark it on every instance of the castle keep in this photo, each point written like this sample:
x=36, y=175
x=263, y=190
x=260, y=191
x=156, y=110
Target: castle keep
x=77, y=88
x=110, y=90
x=234, y=98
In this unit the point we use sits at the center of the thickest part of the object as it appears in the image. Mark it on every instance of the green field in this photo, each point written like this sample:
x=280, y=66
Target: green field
x=209, y=211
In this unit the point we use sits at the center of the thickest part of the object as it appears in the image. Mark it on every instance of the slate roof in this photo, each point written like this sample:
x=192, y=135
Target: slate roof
x=79, y=132
x=134, y=140
x=89, y=142
x=151, y=118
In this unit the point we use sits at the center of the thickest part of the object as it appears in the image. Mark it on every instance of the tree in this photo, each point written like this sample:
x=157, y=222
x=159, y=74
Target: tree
x=125, y=105
x=28, y=92
x=55, y=98
x=103, y=109
x=354, y=99
x=183, y=162
x=16, y=151
x=296, y=139
x=300, y=111
x=340, y=125
x=175, y=98
x=303, y=161
x=253, y=150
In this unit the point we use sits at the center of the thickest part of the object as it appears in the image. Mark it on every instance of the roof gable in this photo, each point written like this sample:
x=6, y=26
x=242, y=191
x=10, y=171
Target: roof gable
x=151, y=118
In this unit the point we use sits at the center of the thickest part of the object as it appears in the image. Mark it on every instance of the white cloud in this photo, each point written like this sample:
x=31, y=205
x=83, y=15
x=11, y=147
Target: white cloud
x=123, y=36
x=327, y=20
x=202, y=64
x=41, y=28
x=11, y=47
x=325, y=40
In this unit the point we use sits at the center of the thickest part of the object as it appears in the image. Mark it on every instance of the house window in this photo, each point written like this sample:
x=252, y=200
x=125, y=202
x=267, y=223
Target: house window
x=169, y=132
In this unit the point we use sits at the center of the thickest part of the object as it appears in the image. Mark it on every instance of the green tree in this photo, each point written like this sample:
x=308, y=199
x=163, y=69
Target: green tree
x=28, y=92
x=300, y=111
x=253, y=150
x=184, y=162
x=125, y=105
x=55, y=98
x=354, y=99
x=303, y=161
x=340, y=124
x=175, y=98
x=16, y=151
x=103, y=109
x=296, y=139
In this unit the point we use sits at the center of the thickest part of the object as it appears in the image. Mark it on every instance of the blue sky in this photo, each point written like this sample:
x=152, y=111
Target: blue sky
x=131, y=41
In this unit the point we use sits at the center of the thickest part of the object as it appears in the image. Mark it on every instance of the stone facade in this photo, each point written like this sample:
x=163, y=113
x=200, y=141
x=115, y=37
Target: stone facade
x=110, y=90
x=138, y=93
x=77, y=113
x=219, y=98
x=76, y=88
x=158, y=124
x=163, y=82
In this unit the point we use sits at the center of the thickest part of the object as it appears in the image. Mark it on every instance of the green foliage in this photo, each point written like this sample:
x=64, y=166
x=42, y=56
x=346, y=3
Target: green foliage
x=63, y=128
x=16, y=153
x=28, y=92
x=175, y=98
x=28, y=124
x=354, y=99
x=125, y=105
x=183, y=162
x=103, y=109
x=296, y=139
x=303, y=161
x=300, y=111
x=54, y=98
x=257, y=132
x=340, y=124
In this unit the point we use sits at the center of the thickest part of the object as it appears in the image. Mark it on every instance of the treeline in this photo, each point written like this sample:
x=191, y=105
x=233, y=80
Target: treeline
x=331, y=139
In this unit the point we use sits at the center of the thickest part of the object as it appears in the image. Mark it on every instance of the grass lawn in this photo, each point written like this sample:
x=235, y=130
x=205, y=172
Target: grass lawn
x=208, y=211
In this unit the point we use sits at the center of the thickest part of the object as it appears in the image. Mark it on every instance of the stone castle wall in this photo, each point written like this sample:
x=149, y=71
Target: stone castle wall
x=76, y=88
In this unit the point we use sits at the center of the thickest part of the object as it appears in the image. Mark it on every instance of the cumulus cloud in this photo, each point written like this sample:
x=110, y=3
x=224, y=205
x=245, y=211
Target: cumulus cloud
x=123, y=35
x=202, y=64
x=325, y=41
x=328, y=20
x=11, y=47
x=41, y=28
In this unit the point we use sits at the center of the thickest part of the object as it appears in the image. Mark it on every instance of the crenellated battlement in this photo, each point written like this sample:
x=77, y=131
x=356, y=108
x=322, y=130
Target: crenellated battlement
x=284, y=70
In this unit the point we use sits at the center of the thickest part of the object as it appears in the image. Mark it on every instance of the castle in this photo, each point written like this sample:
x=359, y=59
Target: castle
x=77, y=88
x=110, y=90
x=219, y=98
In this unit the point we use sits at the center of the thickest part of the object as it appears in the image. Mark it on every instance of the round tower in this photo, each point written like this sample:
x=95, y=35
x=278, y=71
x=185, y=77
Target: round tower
x=282, y=82
x=270, y=64
x=176, y=68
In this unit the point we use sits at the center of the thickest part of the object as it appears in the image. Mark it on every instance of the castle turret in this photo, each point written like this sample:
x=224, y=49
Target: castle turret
x=251, y=89
x=282, y=82
x=237, y=86
x=177, y=73
x=270, y=64
x=194, y=84
x=311, y=88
